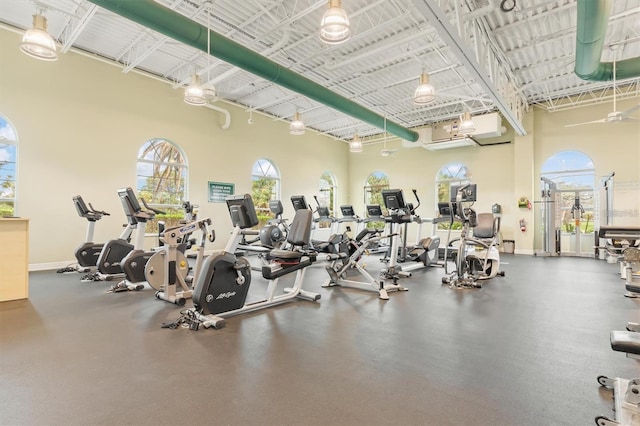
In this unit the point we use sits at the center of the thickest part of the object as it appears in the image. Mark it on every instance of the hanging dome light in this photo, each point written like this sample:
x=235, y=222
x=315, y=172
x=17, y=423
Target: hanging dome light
x=37, y=43
x=334, y=27
x=194, y=93
x=297, y=126
x=466, y=124
x=425, y=93
x=355, y=145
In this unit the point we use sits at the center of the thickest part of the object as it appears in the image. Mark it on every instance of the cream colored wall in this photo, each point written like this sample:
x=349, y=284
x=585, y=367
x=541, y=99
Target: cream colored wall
x=505, y=173
x=613, y=147
x=416, y=168
x=81, y=122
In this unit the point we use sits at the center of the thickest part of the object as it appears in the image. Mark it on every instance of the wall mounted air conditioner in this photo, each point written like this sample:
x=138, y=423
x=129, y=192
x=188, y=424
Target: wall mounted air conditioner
x=445, y=136
x=450, y=143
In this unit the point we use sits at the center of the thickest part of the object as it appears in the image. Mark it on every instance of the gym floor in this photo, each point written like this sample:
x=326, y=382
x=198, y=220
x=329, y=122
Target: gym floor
x=526, y=349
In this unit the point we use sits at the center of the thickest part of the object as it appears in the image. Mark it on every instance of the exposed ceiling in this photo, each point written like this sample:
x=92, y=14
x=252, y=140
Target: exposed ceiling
x=480, y=58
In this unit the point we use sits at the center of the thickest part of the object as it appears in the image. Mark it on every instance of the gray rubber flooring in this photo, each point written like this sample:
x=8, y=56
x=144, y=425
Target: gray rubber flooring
x=524, y=350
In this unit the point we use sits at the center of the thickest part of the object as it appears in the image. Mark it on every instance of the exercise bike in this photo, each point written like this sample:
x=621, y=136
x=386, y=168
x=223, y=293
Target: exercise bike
x=134, y=262
x=87, y=254
x=221, y=288
x=476, y=256
x=335, y=241
x=345, y=262
x=167, y=271
x=401, y=258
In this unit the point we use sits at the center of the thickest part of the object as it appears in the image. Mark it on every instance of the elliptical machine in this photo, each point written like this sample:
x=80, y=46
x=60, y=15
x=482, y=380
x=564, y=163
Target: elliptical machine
x=476, y=257
x=221, y=288
x=87, y=254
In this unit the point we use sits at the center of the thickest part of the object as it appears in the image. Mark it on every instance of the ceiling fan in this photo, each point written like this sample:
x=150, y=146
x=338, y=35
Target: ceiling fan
x=615, y=116
x=388, y=152
x=385, y=152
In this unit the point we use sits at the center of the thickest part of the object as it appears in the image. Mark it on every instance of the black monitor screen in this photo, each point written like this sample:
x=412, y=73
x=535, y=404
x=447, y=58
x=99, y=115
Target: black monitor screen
x=468, y=194
x=276, y=207
x=347, y=211
x=374, y=210
x=81, y=207
x=444, y=209
x=129, y=201
x=323, y=211
x=393, y=199
x=242, y=211
x=299, y=202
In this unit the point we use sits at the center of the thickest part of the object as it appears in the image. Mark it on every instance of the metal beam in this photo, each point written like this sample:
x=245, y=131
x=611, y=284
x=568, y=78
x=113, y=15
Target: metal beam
x=167, y=22
x=438, y=19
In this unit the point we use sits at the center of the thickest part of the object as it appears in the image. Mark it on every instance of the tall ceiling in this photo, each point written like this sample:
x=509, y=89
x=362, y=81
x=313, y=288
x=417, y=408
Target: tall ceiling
x=479, y=56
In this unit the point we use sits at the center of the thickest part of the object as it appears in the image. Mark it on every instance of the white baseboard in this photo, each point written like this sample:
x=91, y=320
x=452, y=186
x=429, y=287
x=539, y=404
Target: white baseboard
x=524, y=251
x=50, y=265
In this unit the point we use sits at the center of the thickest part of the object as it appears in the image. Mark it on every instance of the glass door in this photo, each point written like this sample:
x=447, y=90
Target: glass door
x=579, y=214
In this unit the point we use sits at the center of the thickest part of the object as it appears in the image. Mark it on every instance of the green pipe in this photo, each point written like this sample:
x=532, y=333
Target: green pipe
x=180, y=28
x=591, y=28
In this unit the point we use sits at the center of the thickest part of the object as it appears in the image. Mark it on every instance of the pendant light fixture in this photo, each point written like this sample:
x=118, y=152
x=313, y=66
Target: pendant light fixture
x=37, y=43
x=334, y=27
x=355, y=145
x=194, y=93
x=466, y=124
x=425, y=93
x=297, y=126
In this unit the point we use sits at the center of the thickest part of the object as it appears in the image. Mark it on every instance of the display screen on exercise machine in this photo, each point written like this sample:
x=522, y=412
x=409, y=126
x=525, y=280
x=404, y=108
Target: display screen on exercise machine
x=374, y=210
x=299, y=202
x=242, y=211
x=393, y=199
x=469, y=193
x=347, y=211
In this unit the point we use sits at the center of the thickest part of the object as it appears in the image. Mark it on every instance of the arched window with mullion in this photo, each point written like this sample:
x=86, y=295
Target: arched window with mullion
x=449, y=175
x=265, y=186
x=162, y=180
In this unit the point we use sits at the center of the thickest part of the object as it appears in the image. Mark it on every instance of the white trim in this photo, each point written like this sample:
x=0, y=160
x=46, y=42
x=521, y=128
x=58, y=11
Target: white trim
x=50, y=265
x=524, y=251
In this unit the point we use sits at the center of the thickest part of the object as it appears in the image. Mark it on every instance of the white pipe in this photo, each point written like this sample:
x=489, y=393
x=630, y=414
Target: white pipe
x=227, y=115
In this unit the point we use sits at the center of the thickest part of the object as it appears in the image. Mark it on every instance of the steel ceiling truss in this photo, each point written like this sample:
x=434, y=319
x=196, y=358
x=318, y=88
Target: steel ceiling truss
x=479, y=58
x=589, y=95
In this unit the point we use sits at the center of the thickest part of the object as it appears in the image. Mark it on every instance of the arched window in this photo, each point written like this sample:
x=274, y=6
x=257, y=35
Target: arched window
x=450, y=175
x=373, y=186
x=328, y=191
x=327, y=197
x=162, y=180
x=570, y=169
x=8, y=161
x=574, y=174
x=265, y=186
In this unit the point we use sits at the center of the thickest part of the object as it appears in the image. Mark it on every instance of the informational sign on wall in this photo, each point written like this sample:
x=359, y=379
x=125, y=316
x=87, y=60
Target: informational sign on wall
x=218, y=191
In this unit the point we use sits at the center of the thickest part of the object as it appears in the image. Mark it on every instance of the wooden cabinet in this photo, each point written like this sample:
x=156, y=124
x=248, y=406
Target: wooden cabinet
x=14, y=259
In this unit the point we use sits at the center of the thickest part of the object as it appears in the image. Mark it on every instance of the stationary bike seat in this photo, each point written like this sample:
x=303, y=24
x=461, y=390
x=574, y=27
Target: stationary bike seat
x=626, y=341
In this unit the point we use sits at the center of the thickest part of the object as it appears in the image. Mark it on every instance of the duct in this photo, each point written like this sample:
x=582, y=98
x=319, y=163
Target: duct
x=591, y=29
x=227, y=115
x=178, y=27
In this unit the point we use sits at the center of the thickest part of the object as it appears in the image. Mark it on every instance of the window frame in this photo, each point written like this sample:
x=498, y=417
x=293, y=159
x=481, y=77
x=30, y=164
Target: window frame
x=370, y=190
x=263, y=212
x=173, y=212
x=332, y=189
x=9, y=139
